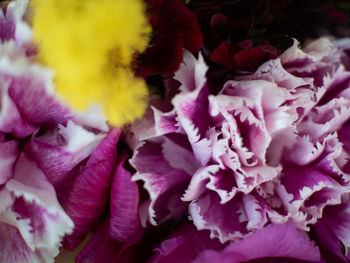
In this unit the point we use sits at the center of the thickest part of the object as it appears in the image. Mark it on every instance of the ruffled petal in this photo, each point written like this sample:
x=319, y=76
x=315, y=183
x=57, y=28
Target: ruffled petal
x=223, y=220
x=270, y=147
x=14, y=249
x=165, y=184
x=57, y=151
x=193, y=102
x=34, y=209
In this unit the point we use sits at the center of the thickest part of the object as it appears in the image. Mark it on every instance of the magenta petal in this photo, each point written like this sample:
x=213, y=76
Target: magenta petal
x=26, y=90
x=103, y=248
x=273, y=241
x=193, y=100
x=7, y=27
x=337, y=219
x=328, y=242
x=165, y=183
x=223, y=220
x=11, y=25
x=125, y=220
x=100, y=248
x=312, y=189
x=184, y=246
x=8, y=156
x=188, y=106
x=165, y=122
x=22, y=83
x=60, y=149
x=90, y=192
x=11, y=120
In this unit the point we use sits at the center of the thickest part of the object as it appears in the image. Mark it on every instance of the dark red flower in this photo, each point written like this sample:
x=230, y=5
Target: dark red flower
x=175, y=27
x=245, y=56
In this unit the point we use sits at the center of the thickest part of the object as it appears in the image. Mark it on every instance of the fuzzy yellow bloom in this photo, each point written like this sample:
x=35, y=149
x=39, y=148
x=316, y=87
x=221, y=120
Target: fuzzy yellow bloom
x=91, y=45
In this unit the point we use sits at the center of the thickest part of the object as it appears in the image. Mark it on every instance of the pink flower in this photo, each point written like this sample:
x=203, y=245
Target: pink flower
x=269, y=148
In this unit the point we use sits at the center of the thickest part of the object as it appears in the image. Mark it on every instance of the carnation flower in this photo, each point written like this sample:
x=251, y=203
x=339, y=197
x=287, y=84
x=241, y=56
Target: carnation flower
x=228, y=174
x=269, y=148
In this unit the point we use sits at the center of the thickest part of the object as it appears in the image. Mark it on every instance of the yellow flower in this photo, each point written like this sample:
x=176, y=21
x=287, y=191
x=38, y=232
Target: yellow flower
x=91, y=45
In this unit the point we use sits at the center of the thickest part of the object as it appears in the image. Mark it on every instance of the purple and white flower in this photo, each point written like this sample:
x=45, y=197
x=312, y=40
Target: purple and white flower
x=269, y=148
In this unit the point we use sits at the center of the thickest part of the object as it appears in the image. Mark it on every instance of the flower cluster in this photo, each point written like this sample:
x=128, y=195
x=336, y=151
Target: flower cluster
x=270, y=148
x=243, y=154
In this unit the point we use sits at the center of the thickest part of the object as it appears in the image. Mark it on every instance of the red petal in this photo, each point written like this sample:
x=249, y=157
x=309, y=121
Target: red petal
x=164, y=56
x=176, y=28
x=193, y=38
x=223, y=55
x=250, y=59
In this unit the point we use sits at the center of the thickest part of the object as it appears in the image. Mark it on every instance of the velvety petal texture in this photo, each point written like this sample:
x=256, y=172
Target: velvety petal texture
x=125, y=220
x=89, y=195
x=175, y=28
x=274, y=241
x=102, y=247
